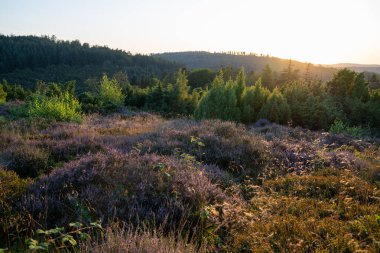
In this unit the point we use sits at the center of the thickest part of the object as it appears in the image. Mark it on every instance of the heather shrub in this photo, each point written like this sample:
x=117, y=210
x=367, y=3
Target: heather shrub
x=27, y=161
x=225, y=144
x=11, y=189
x=129, y=187
x=66, y=150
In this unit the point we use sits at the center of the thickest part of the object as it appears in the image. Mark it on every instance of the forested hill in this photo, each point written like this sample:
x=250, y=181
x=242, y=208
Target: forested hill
x=251, y=62
x=25, y=59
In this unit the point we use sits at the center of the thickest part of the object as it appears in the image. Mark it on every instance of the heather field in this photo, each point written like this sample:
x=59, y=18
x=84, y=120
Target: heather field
x=138, y=182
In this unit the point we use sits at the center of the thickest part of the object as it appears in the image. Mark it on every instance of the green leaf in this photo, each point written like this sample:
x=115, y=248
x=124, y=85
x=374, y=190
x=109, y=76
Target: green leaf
x=96, y=224
x=31, y=242
x=54, y=231
x=201, y=144
x=84, y=236
x=40, y=231
x=43, y=246
x=70, y=239
x=75, y=224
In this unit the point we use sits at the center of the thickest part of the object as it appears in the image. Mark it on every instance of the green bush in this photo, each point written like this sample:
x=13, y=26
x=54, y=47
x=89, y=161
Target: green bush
x=3, y=95
x=110, y=94
x=11, y=189
x=59, y=108
x=339, y=127
x=89, y=102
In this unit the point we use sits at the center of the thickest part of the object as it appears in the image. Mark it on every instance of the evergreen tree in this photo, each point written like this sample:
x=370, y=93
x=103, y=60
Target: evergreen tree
x=297, y=94
x=360, y=90
x=180, y=98
x=210, y=105
x=276, y=109
x=231, y=110
x=253, y=100
x=267, y=77
x=342, y=83
x=220, y=102
x=240, y=87
x=288, y=74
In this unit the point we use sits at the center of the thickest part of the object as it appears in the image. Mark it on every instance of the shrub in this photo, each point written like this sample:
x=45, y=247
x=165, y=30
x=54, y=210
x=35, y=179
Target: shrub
x=211, y=141
x=60, y=108
x=27, y=161
x=110, y=94
x=89, y=102
x=340, y=127
x=3, y=95
x=322, y=113
x=11, y=189
x=129, y=187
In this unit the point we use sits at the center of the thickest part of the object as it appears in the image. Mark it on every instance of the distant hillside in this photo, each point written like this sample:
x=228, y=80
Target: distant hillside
x=358, y=67
x=25, y=59
x=195, y=60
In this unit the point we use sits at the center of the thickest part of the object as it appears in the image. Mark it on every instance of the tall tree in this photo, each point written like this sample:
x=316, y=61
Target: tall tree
x=267, y=77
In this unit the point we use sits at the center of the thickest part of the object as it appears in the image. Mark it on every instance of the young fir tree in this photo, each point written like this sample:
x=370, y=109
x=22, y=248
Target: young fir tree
x=179, y=97
x=240, y=87
x=253, y=100
x=267, y=77
x=231, y=111
x=360, y=90
x=220, y=102
x=210, y=105
x=276, y=109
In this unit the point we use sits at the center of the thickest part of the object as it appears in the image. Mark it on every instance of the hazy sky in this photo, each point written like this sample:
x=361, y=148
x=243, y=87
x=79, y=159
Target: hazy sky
x=319, y=31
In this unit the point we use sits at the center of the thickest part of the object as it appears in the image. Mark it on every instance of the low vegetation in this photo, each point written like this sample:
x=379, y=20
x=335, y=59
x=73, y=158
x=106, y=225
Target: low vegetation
x=138, y=182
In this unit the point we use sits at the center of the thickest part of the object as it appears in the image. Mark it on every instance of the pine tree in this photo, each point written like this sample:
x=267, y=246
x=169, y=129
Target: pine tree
x=360, y=90
x=267, y=77
x=253, y=100
x=240, y=87
x=220, y=102
x=276, y=109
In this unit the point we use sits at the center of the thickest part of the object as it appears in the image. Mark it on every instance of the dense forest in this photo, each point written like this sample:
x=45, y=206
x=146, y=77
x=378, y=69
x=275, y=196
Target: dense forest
x=104, y=151
x=26, y=59
x=255, y=63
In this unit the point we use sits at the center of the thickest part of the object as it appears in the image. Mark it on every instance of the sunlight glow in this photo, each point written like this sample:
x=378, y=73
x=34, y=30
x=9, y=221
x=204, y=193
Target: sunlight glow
x=318, y=31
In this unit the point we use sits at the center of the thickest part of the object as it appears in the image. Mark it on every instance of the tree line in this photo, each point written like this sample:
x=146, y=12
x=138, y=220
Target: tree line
x=228, y=95
x=26, y=59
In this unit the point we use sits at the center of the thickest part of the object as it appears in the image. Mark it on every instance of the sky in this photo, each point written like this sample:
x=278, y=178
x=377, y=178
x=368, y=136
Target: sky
x=317, y=31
